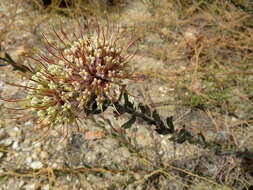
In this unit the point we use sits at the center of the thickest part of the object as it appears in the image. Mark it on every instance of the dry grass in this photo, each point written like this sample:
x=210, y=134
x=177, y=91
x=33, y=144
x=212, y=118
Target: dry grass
x=207, y=50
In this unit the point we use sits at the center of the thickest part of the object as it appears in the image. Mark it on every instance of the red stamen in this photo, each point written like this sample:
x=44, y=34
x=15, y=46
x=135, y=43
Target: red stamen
x=14, y=100
x=38, y=61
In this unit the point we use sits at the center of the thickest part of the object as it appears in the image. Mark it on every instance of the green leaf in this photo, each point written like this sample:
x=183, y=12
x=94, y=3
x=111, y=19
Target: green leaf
x=16, y=66
x=120, y=96
x=5, y=60
x=183, y=136
x=94, y=109
x=144, y=109
x=201, y=138
x=126, y=97
x=156, y=116
x=170, y=124
x=120, y=108
x=128, y=104
x=129, y=123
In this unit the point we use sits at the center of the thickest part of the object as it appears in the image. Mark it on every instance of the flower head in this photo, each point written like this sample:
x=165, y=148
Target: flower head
x=75, y=70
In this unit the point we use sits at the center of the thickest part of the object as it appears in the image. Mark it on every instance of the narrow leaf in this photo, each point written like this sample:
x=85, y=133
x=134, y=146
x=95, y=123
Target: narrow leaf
x=144, y=109
x=170, y=124
x=156, y=116
x=126, y=98
x=97, y=110
x=129, y=123
x=202, y=138
x=128, y=104
x=15, y=65
x=183, y=136
x=148, y=111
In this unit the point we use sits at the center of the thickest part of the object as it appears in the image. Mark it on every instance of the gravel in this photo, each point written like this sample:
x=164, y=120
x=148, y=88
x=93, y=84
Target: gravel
x=36, y=165
x=138, y=151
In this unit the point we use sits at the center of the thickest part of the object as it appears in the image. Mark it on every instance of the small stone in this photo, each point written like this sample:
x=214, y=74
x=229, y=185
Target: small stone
x=15, y=146
x=36, y=165
x=28, y=160
x=143, y=137
x=44, y=155
x=6, y=142
x=21, y=183
x=45, y=187
x=55, y=165
x=1, y=154
x=15, y=132
x=1, y=84
x=30, y=186
x=2, y=134
x=34, y=155
x=28, y=123
x=69, y=178
x=222, y=135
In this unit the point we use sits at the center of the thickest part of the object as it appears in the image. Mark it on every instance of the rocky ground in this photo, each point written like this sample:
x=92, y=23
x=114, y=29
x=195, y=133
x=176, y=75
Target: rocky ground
x=101, y=155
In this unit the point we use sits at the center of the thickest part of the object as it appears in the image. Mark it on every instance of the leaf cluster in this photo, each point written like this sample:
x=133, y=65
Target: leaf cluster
x=152, y=117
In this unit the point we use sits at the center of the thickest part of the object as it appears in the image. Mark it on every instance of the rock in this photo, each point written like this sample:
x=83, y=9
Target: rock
x=120, y=155
x=223, y=135
x=2, y=134
x=21, y=183
x=45, y=187
x=1, y=154
x=36, y=165
x=30, y=186
x=6, y=142
x=28, y=160
x=28, y=123
x=44, y=155
x=14, y=132
x=15, y=146
x=12, y=185
x=143, y=137
x=136, y=14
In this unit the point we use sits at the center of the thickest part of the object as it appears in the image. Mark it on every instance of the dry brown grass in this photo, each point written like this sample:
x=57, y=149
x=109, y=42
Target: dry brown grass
x=207, y=49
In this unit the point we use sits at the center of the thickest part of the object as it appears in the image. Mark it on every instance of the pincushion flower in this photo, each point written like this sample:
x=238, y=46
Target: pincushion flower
x=74, y=70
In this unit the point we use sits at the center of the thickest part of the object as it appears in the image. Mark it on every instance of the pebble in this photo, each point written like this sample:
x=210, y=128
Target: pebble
x=35, y=155
x=45, y=187
x=6, y=142
x=1, y=154
x=223, y=135
x=164, y=90
x=36, y=165
x=55, y=165
x=2, y=134
x=28, y=160
x=28, y=123
x=29, y=186
x=1, y=84
x=143, y=137
x=15, y=146
x=14, y=132
x=21, y=183
x=44, y=155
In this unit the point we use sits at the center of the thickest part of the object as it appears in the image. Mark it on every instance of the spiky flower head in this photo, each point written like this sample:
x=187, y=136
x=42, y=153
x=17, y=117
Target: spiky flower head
x=77, y=70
